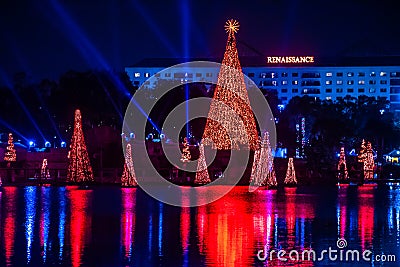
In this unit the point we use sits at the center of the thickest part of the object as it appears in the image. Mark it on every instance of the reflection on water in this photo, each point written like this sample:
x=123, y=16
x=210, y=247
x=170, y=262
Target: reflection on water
x=68, y=226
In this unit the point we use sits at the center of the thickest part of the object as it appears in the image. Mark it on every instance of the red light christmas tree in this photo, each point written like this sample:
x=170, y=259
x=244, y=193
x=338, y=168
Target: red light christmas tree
x=369, y=163
x=290, y=178
x=185, y=151
x=366, y=157
x=202, y=176
x=128, y=176
x=224, y=131
x=342, y=166
x=79, y=168
x=11, y=154
x=263, y=171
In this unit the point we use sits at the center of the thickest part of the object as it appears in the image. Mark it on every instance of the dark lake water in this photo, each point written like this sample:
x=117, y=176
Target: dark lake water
x=110, y=226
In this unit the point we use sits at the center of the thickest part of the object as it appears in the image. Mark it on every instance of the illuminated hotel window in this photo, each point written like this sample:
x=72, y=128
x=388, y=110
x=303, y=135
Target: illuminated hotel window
x=328, y=98
x=383, y=90
x=383, y=82
x=361, y=74
x=168, y=74
x=339, y=82
x=250, y=74
x=361, y=90
x=274, y=83
x=295, y=90
x=284, y=74
x=361, y=82
x=137, y=74
x=329, y=74
x=372, y=90
x=147, y=75
x=350, y=90
x=328, y=82
x=339, y=90
x=295, y=74
x=284, y=90
x=372, y=82
x=372, y=74
x=328, y=90
x=395, y=74
x=339, y=74
x=382, y=74
x=350, y=74
x=284, y=82
x=295, y=82
x=263, y=75
x=350, y=82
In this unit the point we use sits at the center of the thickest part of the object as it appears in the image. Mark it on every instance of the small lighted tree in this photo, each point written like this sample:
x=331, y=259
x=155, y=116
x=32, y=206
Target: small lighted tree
x=263, y=171
x=369, y=163
x=186, y=156
x=202, y=176
x=79, y=168
x=342, y=166
x=290, y=178
x=11, y=154
x=44, y=173
x=128, y=176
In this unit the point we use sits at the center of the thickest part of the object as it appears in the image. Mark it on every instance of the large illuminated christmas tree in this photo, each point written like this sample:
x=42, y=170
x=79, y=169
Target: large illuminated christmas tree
x=11, y=154
x=79, y=168
x=128, y=176
x=263, y=171
x=223, y=130
x=342, y=166
x=202, y=176
x=290, y=178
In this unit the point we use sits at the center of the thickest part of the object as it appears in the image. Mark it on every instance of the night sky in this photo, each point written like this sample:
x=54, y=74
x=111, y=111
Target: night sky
x=47, y=38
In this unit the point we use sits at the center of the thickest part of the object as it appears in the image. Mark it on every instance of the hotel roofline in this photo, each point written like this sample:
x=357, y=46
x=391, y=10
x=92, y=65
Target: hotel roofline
x=261, y=61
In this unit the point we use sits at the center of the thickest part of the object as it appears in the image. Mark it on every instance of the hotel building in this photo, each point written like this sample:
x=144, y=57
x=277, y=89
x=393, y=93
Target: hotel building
x=327, y=79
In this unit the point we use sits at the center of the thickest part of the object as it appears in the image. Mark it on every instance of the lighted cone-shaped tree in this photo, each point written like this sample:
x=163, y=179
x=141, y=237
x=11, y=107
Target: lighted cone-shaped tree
x=290, y=178
x=271, y=176
x=342, y=166
x=10, y=155
x=185, y=151
x=369, y=163
x=202, y=176
x=128, y=176
x=263, y=171
x=223, y=130
x=363, y=152
x=79, y=168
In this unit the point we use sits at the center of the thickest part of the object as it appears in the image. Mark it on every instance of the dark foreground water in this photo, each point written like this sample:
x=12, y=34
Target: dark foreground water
x=109, y=226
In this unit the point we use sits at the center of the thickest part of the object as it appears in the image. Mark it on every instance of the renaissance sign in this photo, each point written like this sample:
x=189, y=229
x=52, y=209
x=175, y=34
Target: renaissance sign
x=289, y=60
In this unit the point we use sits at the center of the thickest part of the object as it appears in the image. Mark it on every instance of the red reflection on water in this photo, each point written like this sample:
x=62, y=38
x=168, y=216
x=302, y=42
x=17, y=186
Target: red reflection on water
x=185, y=227
x=228, y=233
x=128, y=219
x=80, y=224
x=10, y=199
x=201, y=225
x=342, y=213
x=366, y=215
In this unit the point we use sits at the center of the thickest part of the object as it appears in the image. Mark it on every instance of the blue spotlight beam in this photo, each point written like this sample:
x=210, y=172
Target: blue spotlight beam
x=7, y=125
x=21, y=103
